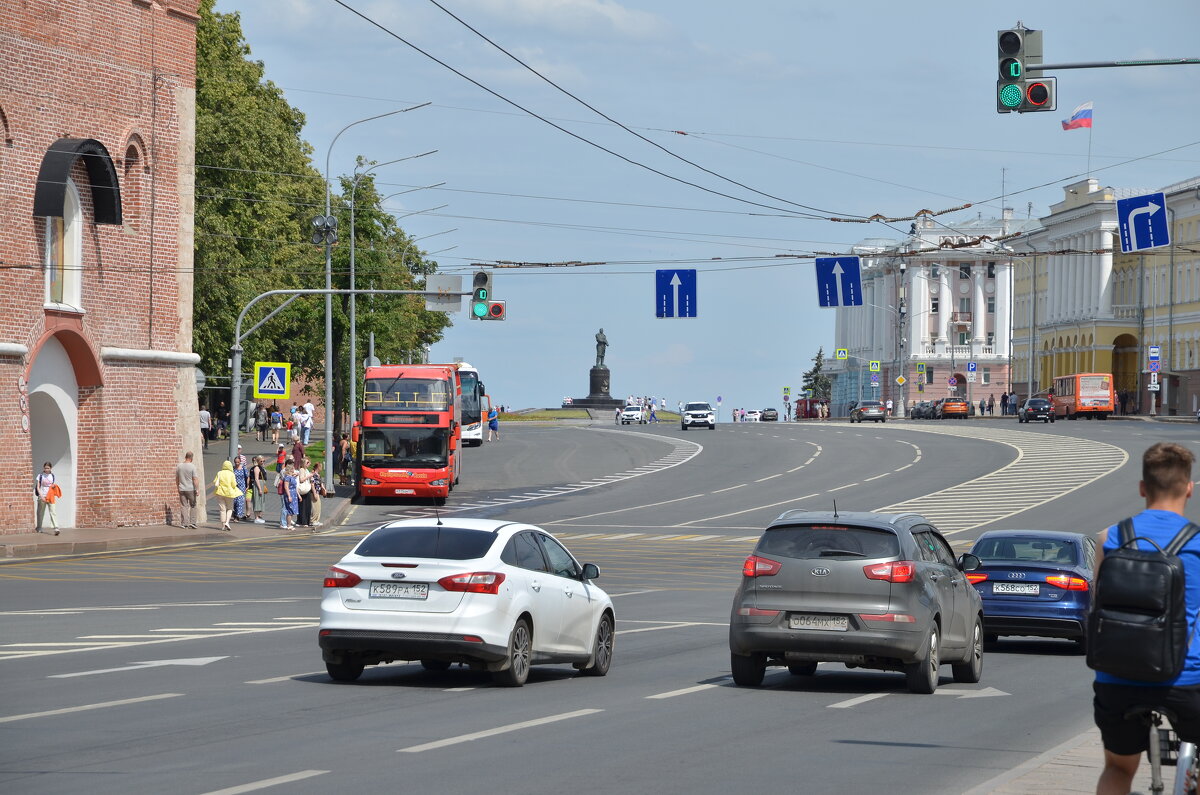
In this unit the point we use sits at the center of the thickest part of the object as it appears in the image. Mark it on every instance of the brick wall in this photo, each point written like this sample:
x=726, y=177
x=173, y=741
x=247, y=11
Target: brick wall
x=121, y=72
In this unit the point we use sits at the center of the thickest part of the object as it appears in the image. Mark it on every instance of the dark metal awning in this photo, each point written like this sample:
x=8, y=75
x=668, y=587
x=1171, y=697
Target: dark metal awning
x=50, y=194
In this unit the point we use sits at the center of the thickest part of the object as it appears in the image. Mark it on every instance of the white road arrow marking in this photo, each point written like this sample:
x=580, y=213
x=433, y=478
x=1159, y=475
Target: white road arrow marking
x=1149, y=209
x=837, y=281
x=987, y=692
x=675, y=282
x=192, y=661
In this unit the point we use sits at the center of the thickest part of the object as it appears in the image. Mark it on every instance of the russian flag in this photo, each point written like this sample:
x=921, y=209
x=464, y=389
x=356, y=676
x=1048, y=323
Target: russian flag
x=1082, y=117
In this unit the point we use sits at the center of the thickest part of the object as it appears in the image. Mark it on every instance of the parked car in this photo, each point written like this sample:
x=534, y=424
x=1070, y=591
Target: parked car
x=769, y=415
x=752, y=415
x=698, y=414
x=868, y=410
x=954, y=408
x=1035, y=582
x=868, y=590
x=494, y=594
x=631, y=414
x=1036, y=408
x=921, y=410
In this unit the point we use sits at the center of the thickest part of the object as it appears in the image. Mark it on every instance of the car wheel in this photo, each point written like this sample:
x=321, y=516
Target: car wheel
x=439, y=501
x=971, y=669
x=603, y=650
x=435, y=665
x=520, y=652
x=683, y=427
x=1081, y=645
x=1045, y=421
x=802, y=668
x=923, y=674
x=712, y=427
x=346, y=671
x=748, y=670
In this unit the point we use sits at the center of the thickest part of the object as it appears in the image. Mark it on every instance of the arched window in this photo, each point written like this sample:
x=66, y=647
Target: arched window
x=64, y=252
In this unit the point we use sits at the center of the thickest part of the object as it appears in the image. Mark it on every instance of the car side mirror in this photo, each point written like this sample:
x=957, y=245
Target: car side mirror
x=969, y=562
x=590, y=571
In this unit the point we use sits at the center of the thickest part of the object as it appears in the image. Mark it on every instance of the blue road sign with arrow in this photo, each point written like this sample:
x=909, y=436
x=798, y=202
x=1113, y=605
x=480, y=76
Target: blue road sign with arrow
x=675, y=293
x=1143, y=222
x=839, y=281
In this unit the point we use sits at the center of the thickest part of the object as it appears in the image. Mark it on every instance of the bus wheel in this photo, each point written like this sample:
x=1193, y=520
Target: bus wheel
x=439, y=501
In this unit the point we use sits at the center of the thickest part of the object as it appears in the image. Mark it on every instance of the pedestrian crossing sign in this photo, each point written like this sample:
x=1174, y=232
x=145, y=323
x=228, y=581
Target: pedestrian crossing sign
x=272, y=380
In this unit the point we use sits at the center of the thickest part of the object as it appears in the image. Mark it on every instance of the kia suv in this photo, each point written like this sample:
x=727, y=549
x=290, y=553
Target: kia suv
x=698, y=414
x=868, y=590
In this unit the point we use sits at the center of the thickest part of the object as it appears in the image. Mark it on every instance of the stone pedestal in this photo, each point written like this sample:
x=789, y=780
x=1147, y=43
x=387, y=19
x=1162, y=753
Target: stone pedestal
x=598, y=392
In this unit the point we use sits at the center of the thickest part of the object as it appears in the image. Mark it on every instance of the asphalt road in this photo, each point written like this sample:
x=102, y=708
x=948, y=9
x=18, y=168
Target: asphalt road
x=197, y=671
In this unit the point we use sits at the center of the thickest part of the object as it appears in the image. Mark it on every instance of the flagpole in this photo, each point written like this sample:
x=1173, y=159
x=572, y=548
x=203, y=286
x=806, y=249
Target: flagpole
x=1089, y=159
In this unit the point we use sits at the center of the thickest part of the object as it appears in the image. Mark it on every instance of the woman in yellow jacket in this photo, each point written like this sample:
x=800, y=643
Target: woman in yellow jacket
x=227, y=491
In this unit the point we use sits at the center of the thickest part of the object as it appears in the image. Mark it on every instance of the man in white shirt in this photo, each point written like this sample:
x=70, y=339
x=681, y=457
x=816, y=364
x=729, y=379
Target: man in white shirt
x=205, y=425
x=306, y=421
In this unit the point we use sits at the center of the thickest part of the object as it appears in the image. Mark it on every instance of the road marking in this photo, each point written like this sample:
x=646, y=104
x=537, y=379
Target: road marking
x=512, y=727
x=458, y=689
x=877, y=477
x=287, y=678
x=748, y=510
x=268, y=782
x=853, y=702
x=730, y=488
x=189, y=661
x=655, y=629
x=986, y=692
x=770, y=477
x=684, y=691
x=839, y=488
x=636, y=593
x=86, y=707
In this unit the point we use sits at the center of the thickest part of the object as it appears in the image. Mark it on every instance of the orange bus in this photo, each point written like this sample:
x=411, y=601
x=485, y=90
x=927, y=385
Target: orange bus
x=1083, y=395
x=410, y=432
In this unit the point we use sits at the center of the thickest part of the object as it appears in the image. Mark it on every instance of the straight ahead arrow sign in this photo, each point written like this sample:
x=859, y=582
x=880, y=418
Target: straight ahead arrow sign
x=193, y=661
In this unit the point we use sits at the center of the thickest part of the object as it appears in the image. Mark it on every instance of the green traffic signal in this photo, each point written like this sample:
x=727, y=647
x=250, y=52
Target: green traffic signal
x=1011, y=95
x=481, y=291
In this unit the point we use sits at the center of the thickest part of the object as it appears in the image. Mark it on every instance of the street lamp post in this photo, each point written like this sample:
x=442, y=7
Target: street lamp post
x=329, y=468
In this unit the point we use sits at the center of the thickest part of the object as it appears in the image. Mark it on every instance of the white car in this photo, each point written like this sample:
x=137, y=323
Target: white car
x=698, y=414
x=497, y=595
x=753, y=415
x=632, y=414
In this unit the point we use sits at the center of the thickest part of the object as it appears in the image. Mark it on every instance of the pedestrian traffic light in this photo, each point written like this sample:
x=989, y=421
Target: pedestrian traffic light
x=495, y=310
x=481, y=292
x=1021, y=87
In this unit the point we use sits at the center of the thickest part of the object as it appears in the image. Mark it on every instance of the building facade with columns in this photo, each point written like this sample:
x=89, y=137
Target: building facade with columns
x=97, y=112
x=933, y=304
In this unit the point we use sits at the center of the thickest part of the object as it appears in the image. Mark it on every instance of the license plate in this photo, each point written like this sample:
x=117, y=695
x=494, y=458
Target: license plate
x=1024, y=588
x=811, y=621
x=406, y=491
x=399, y=590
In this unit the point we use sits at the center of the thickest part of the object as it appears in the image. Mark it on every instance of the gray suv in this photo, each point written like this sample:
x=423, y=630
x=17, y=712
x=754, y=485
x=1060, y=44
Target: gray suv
x=869, y=590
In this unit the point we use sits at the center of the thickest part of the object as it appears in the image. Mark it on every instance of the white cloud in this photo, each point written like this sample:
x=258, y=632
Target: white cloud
x=590, y=17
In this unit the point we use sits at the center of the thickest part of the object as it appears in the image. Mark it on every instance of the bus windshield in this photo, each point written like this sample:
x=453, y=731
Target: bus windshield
x=470, y=396
x=407, y=393
x=404, y=447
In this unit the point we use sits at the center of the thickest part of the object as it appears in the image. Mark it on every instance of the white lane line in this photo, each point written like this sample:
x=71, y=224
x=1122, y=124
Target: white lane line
x=684, y=691
x=654, y=629
x=623, y=535
x=86, y=707
x=731, y=488
x=458, y=689
x=287, y=678
x=268, y=782
x=770, y=477
x=877, y=477
x=839, y=488
x=636, y=593
x=853, y=702
x=512, y=727
x=748, y=510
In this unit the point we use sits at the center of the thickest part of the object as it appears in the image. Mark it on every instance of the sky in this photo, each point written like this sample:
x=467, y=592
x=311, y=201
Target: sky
x=796, y=112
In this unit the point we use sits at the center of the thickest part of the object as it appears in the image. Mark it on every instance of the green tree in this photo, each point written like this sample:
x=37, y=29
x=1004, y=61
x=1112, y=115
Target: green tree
x=816, y=380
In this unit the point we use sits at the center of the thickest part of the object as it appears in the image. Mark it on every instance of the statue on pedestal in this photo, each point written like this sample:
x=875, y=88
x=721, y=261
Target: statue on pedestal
x=601, y=348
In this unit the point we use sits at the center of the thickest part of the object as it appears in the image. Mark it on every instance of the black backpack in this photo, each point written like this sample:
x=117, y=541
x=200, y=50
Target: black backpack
x=1138, y=625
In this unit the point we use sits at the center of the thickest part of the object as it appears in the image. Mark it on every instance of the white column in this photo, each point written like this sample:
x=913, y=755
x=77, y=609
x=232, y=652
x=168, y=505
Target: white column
x=978, y=303
x=1104, y=272
x=945, y=304
x=1000, y=321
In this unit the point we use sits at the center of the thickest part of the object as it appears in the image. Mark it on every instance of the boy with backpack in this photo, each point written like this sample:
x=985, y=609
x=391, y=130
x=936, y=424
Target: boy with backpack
x=1146, y=599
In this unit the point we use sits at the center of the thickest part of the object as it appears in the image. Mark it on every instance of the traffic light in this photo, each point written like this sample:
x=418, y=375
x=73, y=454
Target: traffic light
x=495, y=310
x=481, y=293
x=1021, y=87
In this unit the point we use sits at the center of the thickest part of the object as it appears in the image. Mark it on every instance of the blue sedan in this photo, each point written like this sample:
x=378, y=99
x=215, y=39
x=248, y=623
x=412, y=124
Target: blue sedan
x=1035, y=582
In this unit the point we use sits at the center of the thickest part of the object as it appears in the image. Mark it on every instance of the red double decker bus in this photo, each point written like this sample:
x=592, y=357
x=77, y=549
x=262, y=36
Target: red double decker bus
x=1083, y=395
x=410, y=433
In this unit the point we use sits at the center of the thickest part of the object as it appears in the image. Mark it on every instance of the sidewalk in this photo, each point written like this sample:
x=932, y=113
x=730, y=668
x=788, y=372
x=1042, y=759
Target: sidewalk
x=84, y=541
x=1073, y=766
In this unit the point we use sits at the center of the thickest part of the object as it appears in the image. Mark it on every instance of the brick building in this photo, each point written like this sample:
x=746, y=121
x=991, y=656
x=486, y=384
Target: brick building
x=97, y=119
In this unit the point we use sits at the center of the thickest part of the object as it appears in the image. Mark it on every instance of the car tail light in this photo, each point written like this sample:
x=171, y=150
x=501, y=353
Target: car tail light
x=340, y=578
x=760, y=567
x=755, y=611
x=1068, y=582
x=975, y=577
x=898, y=618
x=473, y=582
x=892, y=571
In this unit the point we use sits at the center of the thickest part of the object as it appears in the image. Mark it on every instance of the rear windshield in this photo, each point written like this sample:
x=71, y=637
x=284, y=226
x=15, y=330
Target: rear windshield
x=1032, y=550
x=869, y=403
x=829, y=541
x=451, y=543
x=1037, y=403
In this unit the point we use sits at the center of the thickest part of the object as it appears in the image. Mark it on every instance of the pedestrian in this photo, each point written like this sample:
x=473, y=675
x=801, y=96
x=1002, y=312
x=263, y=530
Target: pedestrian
x=227, y=491
x=289, y=497
x=345, y=460
x=187, y=481
x=258, y=489
x=260, y=422
x=297, y=450
x=205, y=425
x=305, y=490
x=310, y=414
x=992, y=404
x=47, y=490
x=1004, y=403
x=618, y=416
x=318, y=493
x=888, y=406
x=280, y=458
x=653, y=413
x=493, y=425
x=1166, y=486
x=241, y=476
x=276, y=423
x=222, y=418
x=982, y=406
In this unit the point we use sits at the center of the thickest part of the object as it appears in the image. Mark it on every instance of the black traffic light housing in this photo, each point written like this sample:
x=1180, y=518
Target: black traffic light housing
x=1020, y=86
x=481, y=293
